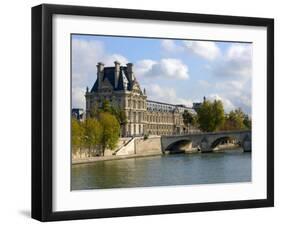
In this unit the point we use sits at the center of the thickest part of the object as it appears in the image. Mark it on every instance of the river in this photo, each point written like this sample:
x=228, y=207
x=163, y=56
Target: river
x=165, y=170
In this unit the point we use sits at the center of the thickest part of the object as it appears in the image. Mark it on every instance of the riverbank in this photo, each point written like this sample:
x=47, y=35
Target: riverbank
x=113, y=157
x=225, y=148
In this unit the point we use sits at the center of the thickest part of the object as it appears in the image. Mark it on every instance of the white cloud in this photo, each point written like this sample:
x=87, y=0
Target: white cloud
x=233, y=74
x=170, y=46
x=166, y=95
x=237, y=62
x=205, y=49
x=85, y=56
x=78, y=99
x=165, y=68
x=227, y=104
x=234, y=94
x=143, y=67
x=108, y=60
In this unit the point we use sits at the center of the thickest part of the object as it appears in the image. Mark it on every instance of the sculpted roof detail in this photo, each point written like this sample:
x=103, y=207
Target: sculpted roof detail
x=109, y=74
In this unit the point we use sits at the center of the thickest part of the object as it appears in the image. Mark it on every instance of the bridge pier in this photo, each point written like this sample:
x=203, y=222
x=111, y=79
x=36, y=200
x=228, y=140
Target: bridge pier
x=247, y=146
x=205, y=147
x=206, y=150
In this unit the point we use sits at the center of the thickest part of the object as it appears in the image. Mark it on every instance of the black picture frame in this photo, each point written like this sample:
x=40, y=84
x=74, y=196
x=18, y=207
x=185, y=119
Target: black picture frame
x=42, y=111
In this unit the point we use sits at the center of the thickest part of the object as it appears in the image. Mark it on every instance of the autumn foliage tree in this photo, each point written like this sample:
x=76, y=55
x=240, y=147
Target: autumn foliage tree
x=92, y=134
x=77, y=134
x=110, y=129
x=236, y=120
x=100, y=130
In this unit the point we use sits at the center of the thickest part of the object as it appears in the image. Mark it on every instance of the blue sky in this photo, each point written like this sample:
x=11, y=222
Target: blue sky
x=174, y=71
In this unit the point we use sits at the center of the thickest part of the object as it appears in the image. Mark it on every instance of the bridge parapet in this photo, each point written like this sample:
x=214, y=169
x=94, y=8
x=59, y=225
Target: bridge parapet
x=207, y=141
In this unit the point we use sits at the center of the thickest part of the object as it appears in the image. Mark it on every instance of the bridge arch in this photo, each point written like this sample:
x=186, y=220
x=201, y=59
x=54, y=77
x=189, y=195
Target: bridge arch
x=179, y=146
x=225, y=140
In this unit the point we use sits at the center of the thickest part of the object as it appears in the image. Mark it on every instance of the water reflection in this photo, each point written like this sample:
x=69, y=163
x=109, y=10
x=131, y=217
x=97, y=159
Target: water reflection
x=180, y=169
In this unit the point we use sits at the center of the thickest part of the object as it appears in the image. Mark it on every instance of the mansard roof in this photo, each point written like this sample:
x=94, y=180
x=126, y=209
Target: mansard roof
x=109, y=74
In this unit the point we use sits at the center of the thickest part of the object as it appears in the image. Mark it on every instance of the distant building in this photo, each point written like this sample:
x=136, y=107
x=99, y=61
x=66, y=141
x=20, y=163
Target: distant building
x=78, y=113
x=119, y=86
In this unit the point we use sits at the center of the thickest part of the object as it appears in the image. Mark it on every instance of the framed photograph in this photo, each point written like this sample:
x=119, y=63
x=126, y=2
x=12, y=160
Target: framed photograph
x=146, y=112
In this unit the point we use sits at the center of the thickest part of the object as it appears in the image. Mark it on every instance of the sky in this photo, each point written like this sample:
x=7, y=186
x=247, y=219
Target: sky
x=172, y=71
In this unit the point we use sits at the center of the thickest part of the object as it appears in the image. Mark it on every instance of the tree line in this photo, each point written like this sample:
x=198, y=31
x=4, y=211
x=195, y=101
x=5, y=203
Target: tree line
x=99, y=131
x=212, y=117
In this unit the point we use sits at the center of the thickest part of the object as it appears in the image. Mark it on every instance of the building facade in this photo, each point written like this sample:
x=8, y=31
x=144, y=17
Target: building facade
x=78, y=113
x=119, y=86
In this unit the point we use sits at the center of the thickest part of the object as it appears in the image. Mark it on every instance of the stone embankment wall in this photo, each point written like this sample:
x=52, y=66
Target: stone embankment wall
x=152, y=144
x=128, y=149
x=127, y=146
x=139, y=145
x=84, y=153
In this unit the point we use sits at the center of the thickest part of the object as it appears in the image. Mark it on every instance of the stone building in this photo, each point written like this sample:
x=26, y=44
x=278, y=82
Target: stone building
x=78, y=113
x=119, y=86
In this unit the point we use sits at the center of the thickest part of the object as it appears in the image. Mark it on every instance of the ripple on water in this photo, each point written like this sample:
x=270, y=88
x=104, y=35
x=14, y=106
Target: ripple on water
x=166, y=170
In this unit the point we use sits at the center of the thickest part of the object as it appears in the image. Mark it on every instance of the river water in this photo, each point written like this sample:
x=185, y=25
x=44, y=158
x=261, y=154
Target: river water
x=165, y=170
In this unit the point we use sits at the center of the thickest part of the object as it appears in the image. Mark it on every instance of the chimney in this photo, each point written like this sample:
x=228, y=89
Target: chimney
x=130, y=72
x=116, y=73
x=100, y=72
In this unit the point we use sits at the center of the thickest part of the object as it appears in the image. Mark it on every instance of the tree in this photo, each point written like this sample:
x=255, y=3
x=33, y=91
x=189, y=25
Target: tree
x=188, y=118
x=247, y=122
x=92, y=133
x=234, y=120
x=116, y=111
x=94, y=111
x=106, y=106
x=109, y=131
x=119, y=114
x=210, y=115
x=77, y=133
x=218, y=114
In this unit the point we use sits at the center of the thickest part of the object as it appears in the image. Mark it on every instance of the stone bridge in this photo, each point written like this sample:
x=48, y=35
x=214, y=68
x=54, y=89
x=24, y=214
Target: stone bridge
x=207, y=142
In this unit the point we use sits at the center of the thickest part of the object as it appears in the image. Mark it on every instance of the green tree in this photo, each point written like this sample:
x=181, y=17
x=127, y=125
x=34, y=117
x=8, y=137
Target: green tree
x=114, y=110
x=106, y=106
x=92, y=134
x=77, y=134
x=119, y=114
x=210, y=115
x=94, y=111
x=188, y=119
x=218, y=114
x=109, y=131
x=234, y=120
x=247, y=122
